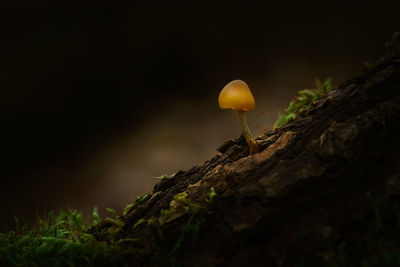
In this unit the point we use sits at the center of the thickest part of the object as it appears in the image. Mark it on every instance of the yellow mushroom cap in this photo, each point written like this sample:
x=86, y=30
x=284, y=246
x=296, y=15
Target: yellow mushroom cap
x=236, y=95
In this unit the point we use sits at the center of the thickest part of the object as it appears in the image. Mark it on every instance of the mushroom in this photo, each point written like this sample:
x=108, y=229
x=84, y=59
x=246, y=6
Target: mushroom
x=236, y=95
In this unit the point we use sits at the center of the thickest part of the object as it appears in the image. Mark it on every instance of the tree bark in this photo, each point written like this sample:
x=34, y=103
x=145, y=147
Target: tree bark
x=323, y=188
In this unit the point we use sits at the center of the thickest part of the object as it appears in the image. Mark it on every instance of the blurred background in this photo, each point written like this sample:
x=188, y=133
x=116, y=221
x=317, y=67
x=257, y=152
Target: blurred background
x=97, y=101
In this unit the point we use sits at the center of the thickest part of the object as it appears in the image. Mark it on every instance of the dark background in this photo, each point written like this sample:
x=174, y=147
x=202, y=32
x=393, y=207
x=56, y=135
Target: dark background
x=95, y=101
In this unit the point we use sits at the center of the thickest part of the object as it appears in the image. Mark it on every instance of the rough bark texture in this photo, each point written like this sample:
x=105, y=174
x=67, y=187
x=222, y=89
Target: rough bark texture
x=323, y=188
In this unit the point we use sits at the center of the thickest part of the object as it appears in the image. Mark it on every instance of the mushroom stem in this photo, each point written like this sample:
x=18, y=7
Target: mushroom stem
x=246, y=131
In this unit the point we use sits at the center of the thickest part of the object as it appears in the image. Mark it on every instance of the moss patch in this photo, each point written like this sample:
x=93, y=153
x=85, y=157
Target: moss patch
x=61, y=241
x=303, y=101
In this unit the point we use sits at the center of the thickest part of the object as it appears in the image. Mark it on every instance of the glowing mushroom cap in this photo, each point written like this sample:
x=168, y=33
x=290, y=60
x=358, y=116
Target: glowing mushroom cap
x=236, y=95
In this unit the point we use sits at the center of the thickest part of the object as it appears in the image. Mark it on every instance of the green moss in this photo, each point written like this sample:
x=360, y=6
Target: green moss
x=113, y=232
x=392, y=46
x=60, y=241
x=129, y=207
x=303, y=101
x=161, y=177
x=139, y=222
x=211, y=195
x=143, y=198
x=181, y=197
x=154, y=223
x=188, y=205
x=166, y=214
x=196, y=217
x=112, y=211
x=63, y=240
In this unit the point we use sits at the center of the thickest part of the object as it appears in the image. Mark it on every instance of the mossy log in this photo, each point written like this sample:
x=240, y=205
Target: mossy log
x=324, y=190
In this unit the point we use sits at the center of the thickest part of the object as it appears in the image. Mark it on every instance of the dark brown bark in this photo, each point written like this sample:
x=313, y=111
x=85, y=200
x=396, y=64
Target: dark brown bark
x=319, y=188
